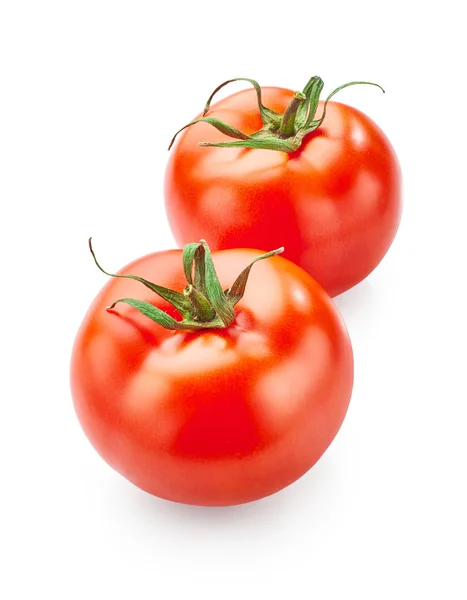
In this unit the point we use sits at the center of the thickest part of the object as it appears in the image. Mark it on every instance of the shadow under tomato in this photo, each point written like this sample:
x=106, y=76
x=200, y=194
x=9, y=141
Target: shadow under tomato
x=355, y=303
x=307, y=494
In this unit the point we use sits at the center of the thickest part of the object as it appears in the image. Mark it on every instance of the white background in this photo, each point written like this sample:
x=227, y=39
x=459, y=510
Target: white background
x=91, y=93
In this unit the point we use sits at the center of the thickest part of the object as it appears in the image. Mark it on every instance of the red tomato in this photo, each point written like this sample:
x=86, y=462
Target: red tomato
x=335, y=203
x=218, y=416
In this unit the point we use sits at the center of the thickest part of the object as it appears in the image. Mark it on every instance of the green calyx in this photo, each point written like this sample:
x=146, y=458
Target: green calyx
x=285, y=132
x=203, y=304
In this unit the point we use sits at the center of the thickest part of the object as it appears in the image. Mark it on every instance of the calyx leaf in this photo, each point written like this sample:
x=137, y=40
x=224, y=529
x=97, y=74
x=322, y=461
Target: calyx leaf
x=203, y=304
x=283, y=133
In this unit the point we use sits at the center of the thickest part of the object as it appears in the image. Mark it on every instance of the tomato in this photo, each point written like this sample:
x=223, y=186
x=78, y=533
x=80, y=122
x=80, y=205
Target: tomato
x=214, y=416
x=334, y=203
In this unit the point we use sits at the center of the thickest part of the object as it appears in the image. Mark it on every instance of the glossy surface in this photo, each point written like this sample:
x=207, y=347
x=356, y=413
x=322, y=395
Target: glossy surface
x=334, y=204
x=215, y=417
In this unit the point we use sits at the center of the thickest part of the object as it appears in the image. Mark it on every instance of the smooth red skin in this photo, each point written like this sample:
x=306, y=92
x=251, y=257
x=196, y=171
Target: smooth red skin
x=217, y=417
x=335, y=204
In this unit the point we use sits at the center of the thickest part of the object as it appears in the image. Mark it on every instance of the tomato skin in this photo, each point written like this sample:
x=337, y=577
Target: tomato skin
x=214, y=417
x=335, y=204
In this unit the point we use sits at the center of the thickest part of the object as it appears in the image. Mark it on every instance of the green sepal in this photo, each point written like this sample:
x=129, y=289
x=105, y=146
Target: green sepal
x=214, y=290
x=194, y=260
x=286, y=145
x=206, y=280
x=219, y=125
x=312, y=91
x=283, y=133
x=236, y=292
x=312, y=125
x=271, y=119
x=205, y=304
x=176, y=299
x=189, y=252
x=165, y=320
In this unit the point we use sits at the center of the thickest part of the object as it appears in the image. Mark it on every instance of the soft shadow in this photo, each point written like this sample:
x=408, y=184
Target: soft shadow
x=308, y=492
x=356, y=301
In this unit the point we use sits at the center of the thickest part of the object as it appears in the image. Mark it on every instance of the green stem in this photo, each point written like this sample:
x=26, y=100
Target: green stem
x=287, y=127
x=202, y=309
x=203, y=303
x=283, y=133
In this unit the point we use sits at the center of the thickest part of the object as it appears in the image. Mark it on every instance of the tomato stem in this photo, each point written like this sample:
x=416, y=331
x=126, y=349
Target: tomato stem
x=202, y=309
x=203, y=303
x=283, y=133
x=287, y=127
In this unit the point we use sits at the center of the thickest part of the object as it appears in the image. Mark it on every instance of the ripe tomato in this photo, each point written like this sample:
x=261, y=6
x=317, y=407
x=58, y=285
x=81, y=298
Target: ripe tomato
x=334, y=203
x=216, y=416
